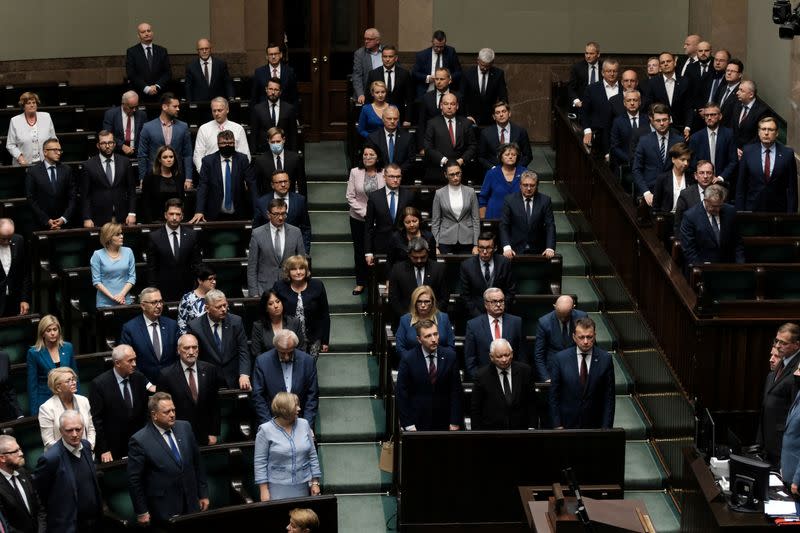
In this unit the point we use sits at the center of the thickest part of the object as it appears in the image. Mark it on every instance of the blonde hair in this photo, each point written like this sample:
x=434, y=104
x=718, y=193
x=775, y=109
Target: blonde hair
x=56, y=375
x=108, y=230
x=295, y=261
x=419, y=291
x=376, y=83
x=27, y=96
x=304, y=518
x=45, y=322
x=283, y=405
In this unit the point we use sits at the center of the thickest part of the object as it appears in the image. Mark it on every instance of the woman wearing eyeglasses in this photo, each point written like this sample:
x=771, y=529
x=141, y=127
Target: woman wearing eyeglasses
x=423, y=307
x=63, y=382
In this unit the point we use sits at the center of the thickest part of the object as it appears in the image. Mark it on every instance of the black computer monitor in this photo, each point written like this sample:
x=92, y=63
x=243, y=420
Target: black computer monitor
x=749, y=482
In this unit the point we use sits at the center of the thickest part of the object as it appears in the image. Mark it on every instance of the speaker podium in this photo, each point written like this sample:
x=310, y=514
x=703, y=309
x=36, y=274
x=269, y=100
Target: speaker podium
x=605, y=516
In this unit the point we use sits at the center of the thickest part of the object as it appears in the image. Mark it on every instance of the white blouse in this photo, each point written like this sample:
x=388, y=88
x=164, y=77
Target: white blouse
x=29, y=140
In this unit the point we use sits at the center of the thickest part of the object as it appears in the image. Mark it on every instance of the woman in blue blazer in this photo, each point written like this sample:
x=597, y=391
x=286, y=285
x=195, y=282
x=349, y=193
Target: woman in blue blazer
x=49, y=352
x=500, y=181
x=423, y=305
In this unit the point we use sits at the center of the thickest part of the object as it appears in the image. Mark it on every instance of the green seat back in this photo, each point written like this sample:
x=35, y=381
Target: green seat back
x=114, y=487
x=721, y=286
x=532, y=277
x=782, y=284
x=16, y=337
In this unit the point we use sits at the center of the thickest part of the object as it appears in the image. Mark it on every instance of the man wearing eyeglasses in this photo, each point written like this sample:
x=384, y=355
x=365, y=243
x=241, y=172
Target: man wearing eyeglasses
x=296, y=205
x=51, y=189
x=485, y=270
x=18, y=497
x=270, y=245
x=107, y=186
x=494, y=324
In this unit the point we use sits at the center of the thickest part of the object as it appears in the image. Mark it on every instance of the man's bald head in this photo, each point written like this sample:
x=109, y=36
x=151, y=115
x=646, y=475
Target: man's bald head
x=564, y=306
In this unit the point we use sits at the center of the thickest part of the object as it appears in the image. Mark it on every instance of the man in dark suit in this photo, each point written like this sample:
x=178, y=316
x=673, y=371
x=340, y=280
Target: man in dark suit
x=494, y=323
x=726, y=93
x=673, y=91
x=503, y=392
x=226, y=190
x=584, y=72
x=596, y=112
x=527, y=225
x=66, y=480
x=627, y=128
x=51, y=190
x=207, y=77
x=278, y=157
x=147, y=65
x=428, y=389
x=9, y=406
x=698, y=75
x=118, y=398
x=487, y=269
x=554, y=333
x=274, y=368
x=297, y=207
x=19, y=501
x=417, y=270
x=439, y=54
x=448, y=137
x=152, y=138
x=194, y=386
x=152, y=336
x=166, y=476
x=275, y=68
x=270, y=114
x=364, y=60
x=709, y=233
x=483, y=85
x=690, y=46
x=15, y=272
x=107, y=186
x=746, y=114
x=628, y=81
x=125, y=121
x=767, y=173
x=383, y=206
x=780, y=390
x=172, y=254
x=582, y=383
x=720, y=138
x=693, y=194
x=650, y=156
x=223, y=342
x=399, y=87
x=709, y=90
x=502, y=131
x=403, y=143
x=430, y=105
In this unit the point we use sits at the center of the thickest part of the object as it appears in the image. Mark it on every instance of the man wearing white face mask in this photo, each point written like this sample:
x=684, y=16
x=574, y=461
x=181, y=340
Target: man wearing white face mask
x=278, y=158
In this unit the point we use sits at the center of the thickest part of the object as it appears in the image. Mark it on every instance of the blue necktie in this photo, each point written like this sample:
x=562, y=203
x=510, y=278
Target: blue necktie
x=172, y=446
x=391, y=148
x=392, y=205
x=217, y=338
x=53, y=177
x=228, y=194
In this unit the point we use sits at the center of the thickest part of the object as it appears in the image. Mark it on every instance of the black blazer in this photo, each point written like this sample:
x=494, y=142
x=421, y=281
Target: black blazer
x=405, y=149
x=473, y=283
x=210, y=192
x=517, y=231
x=490, y=142
x=264, y=166
x=688, y=198
x=663, y=193
x=398, y=247
x=402, y=94
x=699, y=242
x=403, y=281
x=777, y=401
x=174, y=276
x=579, y=79
x=297, y=216
x=681, y=106
x=730, y=100
x=139, y=72
x=438, y=145
x=428, y=110
x=114, y=421
x=623, y=138
x=48, y=202
x=197, y=90
x=261, y=122
x=315, y=308
x=101, y=200
x=15, y=285
x=204, y=416
x=422, y=67
x=9, y=407
x=233, y=359
x=490, y=410
x=261, y=337
x=378, y=222
x=747, y=131
x=151, y=209
x=112, y=121
x=18, y=518
x=481, y=106
x=288, y=84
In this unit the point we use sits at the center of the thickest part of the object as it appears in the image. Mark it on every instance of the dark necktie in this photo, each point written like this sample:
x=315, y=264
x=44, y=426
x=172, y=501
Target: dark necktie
x=156, y=341
x=506, y=386
x=439, y=99
x=663, y=149
x=126, y=393
x=109, y=172
x=272, y=115
x=388, y=81
x=483, y=83
x=584, y=370
x=767, y=162
x=391, y=148
x=452, y=132
x=502, y=135
x=278, y=246
x=703, y=68
x=149, y=57
x=438, y=60
x=172, y=446
x=726, y=94
x=715, y=227
x=593, y=74
x=205, y=72
x=487, y=274
x=392, y=205
x=714, y=86
x=53, y=177
x=779, y=371
x=128, y=128
x=228, y=187
x=217, y=338
x=565, y=334
x=21, y=492
x=278, y=163
x=528, y=208
x=744, y=114
x=192, y=384
x=634, y=123
x=175, y=246
x=432, y=368
x=419, y=276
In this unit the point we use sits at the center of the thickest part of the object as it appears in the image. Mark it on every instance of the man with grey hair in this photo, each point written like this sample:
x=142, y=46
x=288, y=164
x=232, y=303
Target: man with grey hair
x=494, y=323
x=598, y=113
x=152, y=336
x=503, y=392
x=222, y=341
x=207, y=77
x=365, y=59
x=15, y=285
x=285, y=369
x=709, y=232
x=527, y=225
x=206, y=142
x=19, y=501
x=66, y=480
x=118, y=398
x=125, y=121
x=418, y=270
x=483, y=86
x=745, y=114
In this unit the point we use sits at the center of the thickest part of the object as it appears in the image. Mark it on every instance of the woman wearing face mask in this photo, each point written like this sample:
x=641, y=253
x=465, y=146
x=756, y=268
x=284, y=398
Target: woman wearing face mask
x=165, y=181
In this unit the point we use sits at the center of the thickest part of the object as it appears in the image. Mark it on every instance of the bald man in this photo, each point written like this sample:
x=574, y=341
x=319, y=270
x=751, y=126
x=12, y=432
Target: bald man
x=147, y=65
x=554, y=334
x=690, y=45
x=207, y=77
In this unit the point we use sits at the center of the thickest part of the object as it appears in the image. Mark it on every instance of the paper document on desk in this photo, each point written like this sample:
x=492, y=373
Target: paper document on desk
x=779, y=508
x=775, y=481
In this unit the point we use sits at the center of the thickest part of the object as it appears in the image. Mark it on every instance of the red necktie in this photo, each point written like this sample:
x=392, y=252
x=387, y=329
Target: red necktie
x=496, y=329
x=503, y=136
x=584, y=370
x=452, y=133
x=192, y=384
x=766, y=165
x=128, y=131
x=274, y=72
x=432, y=368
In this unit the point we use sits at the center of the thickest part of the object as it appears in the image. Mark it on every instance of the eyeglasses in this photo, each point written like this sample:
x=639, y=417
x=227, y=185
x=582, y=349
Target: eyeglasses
x=495, y=302
x=154, y=302
x=781, y=342
x=12, y=452
x=53, y=150
x=454, y=174
x=69, y=380
x=278, y=215
x=485, y=248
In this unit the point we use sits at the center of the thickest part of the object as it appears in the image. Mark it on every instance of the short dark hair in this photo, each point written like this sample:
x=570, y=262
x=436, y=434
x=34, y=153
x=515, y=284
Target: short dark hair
x=273, y=45
x=738, y=62
x=203, y=271
x=276, y=202
x=486, y=236
x=425, y=323
x=274, y=80
x=680, y=149
x=439, y=35
x=390, y=47
x=166, y=98
x=173, y=202
x=660, y=109
x=104, y=133
x=226, y=135
x=500, y=103
x=585, y=323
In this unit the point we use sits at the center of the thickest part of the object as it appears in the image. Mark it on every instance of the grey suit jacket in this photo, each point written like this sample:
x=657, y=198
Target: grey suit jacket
x=263, y=267
x=447, y=228
x=362, y=65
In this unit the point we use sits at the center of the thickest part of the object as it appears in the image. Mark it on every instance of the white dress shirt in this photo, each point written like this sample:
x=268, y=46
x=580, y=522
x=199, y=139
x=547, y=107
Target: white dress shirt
x=500, y=377
x=125, y=125
x=579, y=357
x=185, y=367
x=5, y=257
x=206, y=142
x=456, y=200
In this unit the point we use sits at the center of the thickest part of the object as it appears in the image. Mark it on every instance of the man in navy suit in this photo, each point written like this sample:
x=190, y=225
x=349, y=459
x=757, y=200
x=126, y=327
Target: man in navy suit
x=51, y=190
x=278, y=156
x=628, y=81
x=166, y=476
x=439, y=54
x=721, y=138
x=383, y=206
x=429, y=393
x=584, y=72
x=15, y=278
x=448, y=137
x=767, y=173
x=485, y=270
x=66, y=480
x=274, y=68
x=503, y=131
x=107, y=186
x=147, y=65
x=297, y=214
x=493, y=324
x=527, y=225
x=207, y=77
x=417, y=270
x=746, y=113
x=151, y=336
x=726, y=92
x=672, y=90
x=152, y=138
x=172, y=254
x=273, y=113
x=790, y=450
x=283, y=365
x=596, y=114
x=693, y=194
x=399, y=86
x=709, y=233
x=624, y=136
x=227, y=186
x=430, y=104
x=554, y=333
x=125, y=121
x=650, y=157
x=483, y=85
x=20, y=516
x=404, y=153
x=582, y=383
